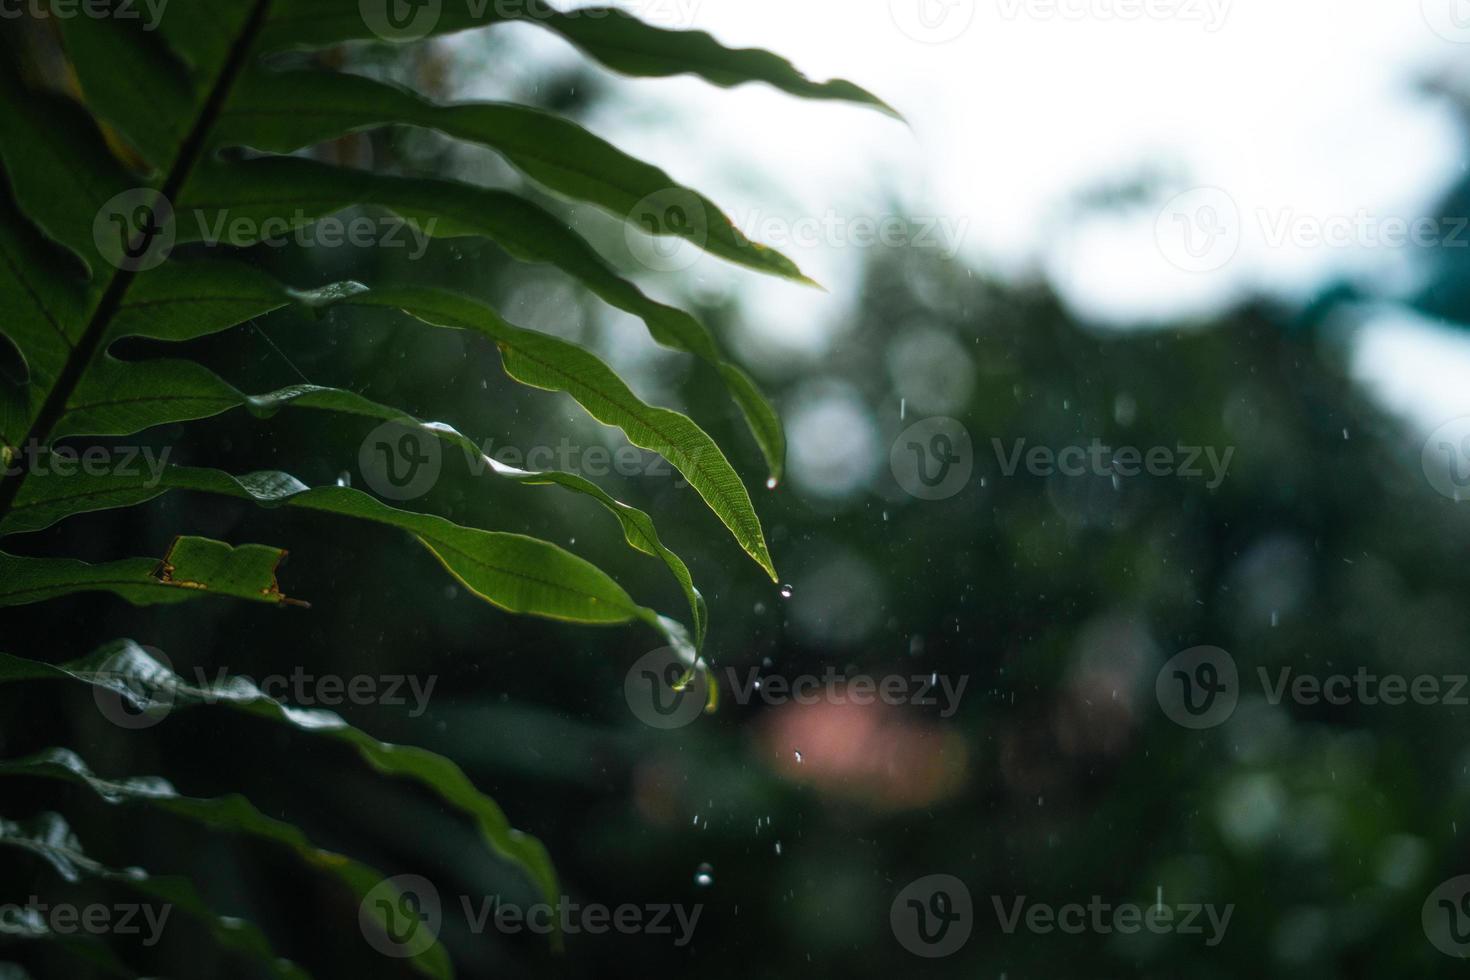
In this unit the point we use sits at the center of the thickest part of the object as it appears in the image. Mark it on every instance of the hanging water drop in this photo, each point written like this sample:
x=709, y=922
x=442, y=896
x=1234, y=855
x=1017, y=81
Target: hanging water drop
x=770, y=483
x=786, y=591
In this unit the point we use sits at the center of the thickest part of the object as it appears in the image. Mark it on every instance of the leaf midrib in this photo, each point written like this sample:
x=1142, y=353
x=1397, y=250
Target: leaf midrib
x=643, y=416
x=85, y=350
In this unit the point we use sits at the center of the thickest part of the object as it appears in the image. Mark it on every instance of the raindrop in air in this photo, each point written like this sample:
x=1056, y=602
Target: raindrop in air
x=344, y=479
x=797, y=753
x=704, y=875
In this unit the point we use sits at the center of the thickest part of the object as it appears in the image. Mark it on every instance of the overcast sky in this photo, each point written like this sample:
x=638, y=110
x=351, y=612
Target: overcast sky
x=1281, y=143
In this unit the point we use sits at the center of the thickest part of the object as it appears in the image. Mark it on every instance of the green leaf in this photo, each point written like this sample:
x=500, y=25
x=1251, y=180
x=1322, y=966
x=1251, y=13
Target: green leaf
x=553, y=364
x=244, y=572
x=117, y=398
x=514, y=572
x=60, y=170
x=152, y=108
x=48, y=497
x=232, y=202
x=43, y=305
x=202, y=34
x=187, y=299
x=617, y=39
x=626, y=44
x=286, y=111
x=193, y=568
x=233, y=814
x=127, y=669
x=49, y=837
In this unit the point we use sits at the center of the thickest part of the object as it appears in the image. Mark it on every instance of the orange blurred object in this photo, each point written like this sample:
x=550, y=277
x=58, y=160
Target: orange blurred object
x=876, y=754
